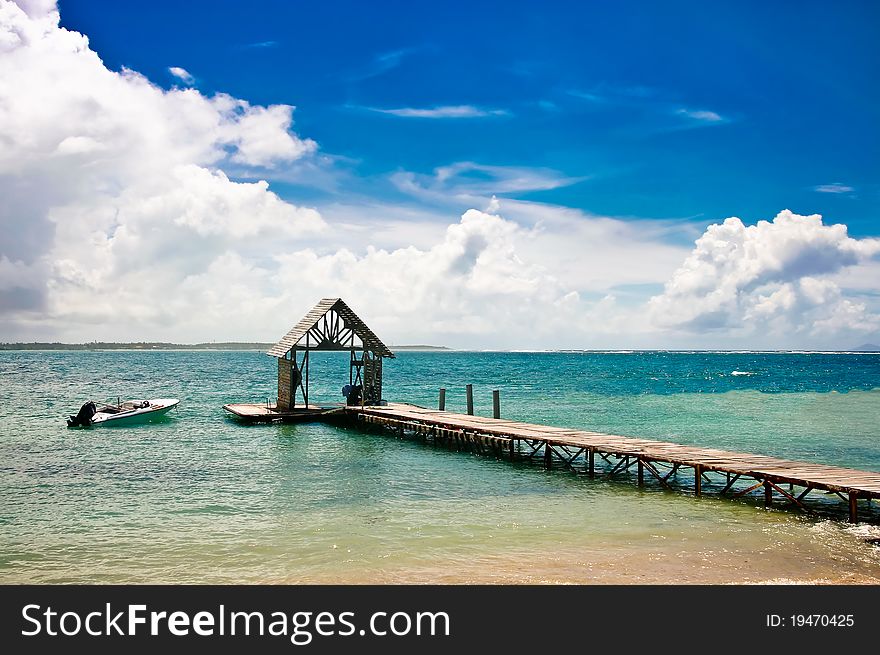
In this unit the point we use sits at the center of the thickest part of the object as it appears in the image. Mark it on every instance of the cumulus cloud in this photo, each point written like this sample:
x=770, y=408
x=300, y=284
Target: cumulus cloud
x=482, y=280
x=100, y=170
x=478, y=283
x=37, y=8
x=256, y=133
x=588, y=257
x=774, y=275
x=182, y=74
x=120, y=220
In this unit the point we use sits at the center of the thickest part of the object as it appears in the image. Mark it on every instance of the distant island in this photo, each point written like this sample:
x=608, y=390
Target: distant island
x=140, y=345
x=420, y=347
x=162, y=345
x=867, y=347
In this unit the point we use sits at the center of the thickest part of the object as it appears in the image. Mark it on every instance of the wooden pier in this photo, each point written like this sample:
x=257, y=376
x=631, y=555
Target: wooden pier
x=733, y=474
x=331, y=325
x=266, y=413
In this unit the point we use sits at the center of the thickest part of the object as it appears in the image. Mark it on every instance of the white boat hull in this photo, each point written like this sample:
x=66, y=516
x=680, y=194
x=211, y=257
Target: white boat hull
x=133, y=411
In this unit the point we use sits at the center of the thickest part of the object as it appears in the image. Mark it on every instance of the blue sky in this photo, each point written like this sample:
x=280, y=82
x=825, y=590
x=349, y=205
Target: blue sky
x=478, y=175
x=685, y=110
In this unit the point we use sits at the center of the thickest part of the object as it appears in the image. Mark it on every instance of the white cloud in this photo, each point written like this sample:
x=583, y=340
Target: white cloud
x=701, y=115
x=448, y=111
x=518, y=275
x=471, y=180
x=182, y=74
x=261, y=136
x=835, y=187
x=481, y=281
x=595, y=255
x=102, y=170
x=479, y=284
x=37, y=8
x=119, y=222
x=774, y=276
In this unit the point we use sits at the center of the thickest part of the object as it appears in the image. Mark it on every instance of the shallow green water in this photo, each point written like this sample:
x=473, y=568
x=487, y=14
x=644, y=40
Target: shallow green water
x=201, y=498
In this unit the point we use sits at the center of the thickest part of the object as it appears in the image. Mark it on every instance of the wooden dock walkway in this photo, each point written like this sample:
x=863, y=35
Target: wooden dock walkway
x=737, y=474
x=266, y=413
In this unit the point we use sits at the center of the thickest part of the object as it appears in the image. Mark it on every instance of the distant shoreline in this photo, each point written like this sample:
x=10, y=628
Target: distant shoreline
x=101, y=345
x=159, y=345
x=263, y=347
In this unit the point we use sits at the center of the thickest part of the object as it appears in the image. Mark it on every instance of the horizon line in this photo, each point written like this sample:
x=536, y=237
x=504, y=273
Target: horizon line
x=254, y=345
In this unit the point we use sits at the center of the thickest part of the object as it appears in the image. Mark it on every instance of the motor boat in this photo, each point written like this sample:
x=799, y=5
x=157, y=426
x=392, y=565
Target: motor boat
x=122, y=413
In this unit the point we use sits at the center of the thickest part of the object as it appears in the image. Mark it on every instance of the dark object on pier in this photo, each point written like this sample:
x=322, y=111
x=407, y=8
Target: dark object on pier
x=84, y=416
x=352, y=393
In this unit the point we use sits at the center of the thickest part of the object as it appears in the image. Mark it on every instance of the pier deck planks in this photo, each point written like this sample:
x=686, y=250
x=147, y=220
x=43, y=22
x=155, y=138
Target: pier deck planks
x=811, y=475
x=263, y=413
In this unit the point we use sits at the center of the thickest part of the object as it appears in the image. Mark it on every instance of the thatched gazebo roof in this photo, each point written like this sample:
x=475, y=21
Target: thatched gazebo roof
x=330, y=325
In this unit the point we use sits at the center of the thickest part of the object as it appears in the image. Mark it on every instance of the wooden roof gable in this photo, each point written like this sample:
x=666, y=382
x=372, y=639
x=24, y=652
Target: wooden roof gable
x=329, y=332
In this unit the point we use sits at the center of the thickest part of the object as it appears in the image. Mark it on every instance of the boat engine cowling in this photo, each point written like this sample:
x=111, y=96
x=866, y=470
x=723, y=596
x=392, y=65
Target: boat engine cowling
x=84, y=416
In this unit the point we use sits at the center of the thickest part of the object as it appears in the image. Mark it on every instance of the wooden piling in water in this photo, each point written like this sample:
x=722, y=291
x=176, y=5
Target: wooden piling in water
x=470, y=399
x=496, y=404
x=442, y=403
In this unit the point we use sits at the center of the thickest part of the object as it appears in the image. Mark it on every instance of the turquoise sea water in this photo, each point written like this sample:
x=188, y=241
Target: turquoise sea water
x=199, y=498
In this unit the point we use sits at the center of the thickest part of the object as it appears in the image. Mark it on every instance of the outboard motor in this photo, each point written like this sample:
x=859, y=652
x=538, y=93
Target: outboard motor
x=84, y=416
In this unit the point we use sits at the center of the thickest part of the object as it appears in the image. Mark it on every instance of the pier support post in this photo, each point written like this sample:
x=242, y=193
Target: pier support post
x=641, y=470
x=592, y=465
x=768, y=494
x=442, y=404
x=698, y=480
x=470, y=399
x=548, y=455
x=853, y=507
x=496, y=404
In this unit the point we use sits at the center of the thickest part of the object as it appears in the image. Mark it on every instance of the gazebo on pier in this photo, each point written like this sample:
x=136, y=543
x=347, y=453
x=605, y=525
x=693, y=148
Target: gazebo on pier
x=331, y=325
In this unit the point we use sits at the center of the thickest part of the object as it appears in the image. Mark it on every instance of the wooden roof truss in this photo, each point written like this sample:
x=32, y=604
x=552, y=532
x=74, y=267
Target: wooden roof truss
x=330, y=325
